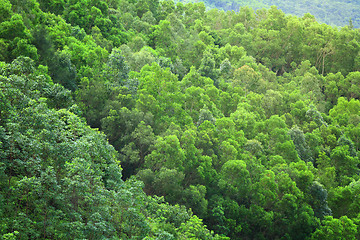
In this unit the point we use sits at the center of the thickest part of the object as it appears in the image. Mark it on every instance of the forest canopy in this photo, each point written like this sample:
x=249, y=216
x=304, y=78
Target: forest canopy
x=146, y=119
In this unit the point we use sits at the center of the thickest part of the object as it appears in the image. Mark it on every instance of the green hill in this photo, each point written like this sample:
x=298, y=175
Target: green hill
x=333, y=12
x=145, y=119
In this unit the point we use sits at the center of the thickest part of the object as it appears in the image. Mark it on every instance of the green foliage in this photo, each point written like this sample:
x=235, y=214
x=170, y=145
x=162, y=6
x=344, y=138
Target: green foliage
x=62, y=178
x=331, y=228
x=248, y=119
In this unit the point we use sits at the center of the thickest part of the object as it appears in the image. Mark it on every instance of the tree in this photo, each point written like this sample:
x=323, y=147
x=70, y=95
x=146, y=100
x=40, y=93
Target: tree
x=345, y=165
x=207, y=66
x=205, y=115
x=247, y=78
x=265, y=192
x=326, y=171
x=119, y=124
x=16, y=37
x=194, y=198
x=168, y=183
x=318, y=200
x=167, y=153
x=298, y=137
x=272, y=103
x=5, y=10
x=332, y=228
x=63, y=71
x=138, y=147
x=350, y=85
x=235, y=180
x=332, y=86
x=161, y=37
x=117, y=64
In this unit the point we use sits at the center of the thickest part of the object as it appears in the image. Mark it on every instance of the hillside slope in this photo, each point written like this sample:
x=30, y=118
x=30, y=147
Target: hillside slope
x=249, y=120
x=332, y=12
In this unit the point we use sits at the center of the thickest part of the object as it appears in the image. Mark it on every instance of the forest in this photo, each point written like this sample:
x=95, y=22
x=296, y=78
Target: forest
x=332, y=12
x=147, y=119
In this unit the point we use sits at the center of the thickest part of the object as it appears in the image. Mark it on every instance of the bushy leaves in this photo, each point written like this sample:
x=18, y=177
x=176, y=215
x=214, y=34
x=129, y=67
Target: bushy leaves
x=248, y=118
x=60, y=178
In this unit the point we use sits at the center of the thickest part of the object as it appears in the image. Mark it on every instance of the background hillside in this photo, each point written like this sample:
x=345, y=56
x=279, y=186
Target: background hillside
x=333, y=12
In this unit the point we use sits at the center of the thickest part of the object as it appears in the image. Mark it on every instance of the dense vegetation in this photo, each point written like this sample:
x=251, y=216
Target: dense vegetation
x=226, y=125
x=333, y=12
